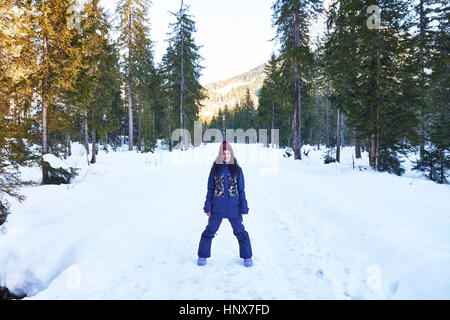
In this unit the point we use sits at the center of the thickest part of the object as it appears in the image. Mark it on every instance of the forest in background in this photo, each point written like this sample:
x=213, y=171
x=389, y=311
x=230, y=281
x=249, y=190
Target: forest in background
x=378, y=80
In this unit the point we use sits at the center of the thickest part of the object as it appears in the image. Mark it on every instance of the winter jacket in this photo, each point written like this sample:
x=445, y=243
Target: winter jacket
x=226, y=194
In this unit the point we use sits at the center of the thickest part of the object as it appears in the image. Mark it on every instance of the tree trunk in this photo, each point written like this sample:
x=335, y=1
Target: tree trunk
x=93, y=135
x=86, y=134
x=372, y=143
x=421, y=61
x=170, y=138
x=378, y=122
x=182, y=82
x=310, y=129
x=130, y=88
x=338, y=137
x=378, y=157
x=357, y=145
x=297, y=105
x=139, y=128
x=130, y=115
x=68, y=148
x=317, y=121
x=328, y=116
x=94, y=150
x=273, y=113
x=372, y=161
x=431, y=171
x=45, y=177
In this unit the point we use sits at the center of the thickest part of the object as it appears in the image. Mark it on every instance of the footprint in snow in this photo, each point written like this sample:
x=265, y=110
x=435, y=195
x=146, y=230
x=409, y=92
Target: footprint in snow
x=319, y=274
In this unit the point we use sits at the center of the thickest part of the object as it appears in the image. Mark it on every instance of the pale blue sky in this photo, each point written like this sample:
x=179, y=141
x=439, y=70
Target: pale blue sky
x=234, y=34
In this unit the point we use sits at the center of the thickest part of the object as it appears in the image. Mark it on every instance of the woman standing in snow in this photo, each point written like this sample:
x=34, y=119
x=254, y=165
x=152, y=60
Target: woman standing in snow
x=225, y=199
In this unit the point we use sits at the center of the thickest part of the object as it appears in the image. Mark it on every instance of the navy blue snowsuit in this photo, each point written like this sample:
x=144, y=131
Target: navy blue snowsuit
x=225, y=199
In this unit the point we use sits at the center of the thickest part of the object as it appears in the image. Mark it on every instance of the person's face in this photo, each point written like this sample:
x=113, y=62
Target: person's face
x=226, y=156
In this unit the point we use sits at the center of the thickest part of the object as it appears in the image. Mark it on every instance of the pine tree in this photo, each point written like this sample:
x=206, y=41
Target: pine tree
x=148, y=84
x=291, y=18
x=435, y=160
x=133, y=32
x=341, y=70
x=248, y=111
x=422, y=49
x=268, y=96
x=370, y=76
x=238, y=121
x=181, y=70
x=106, y=113
x=319, y=84
x=228, y=117
x=18, y=64
x=276, y=100
x=58, y=64
x=94, y=43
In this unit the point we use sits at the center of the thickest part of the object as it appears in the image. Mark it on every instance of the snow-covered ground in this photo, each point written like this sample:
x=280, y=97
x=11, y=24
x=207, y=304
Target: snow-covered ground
x=129, y=227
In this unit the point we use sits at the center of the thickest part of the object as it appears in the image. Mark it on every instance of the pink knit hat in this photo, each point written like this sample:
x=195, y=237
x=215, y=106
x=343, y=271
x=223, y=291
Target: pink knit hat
x=225, y=146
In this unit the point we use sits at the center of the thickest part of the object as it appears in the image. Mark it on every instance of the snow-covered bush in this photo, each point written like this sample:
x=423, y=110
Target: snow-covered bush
x=3, y=213
x=59, y=175
x=328, y=158
x=58, y=171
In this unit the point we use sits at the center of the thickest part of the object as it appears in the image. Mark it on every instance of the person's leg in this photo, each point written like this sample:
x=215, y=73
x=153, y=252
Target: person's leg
x=204, y=248
x=245, y=247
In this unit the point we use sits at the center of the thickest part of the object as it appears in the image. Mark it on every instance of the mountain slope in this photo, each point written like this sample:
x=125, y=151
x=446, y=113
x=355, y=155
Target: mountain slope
x=231, y=91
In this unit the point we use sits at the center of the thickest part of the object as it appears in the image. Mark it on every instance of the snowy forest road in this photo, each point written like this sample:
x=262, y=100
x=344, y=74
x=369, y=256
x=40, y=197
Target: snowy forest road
x=129, y=228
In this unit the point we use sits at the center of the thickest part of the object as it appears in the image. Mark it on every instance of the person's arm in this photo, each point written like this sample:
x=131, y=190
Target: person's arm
x=209, y=194
x=243, y=208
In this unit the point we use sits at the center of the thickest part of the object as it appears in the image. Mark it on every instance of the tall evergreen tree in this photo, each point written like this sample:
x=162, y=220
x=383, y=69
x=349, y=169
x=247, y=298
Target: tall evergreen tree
x=148, y=84
x=369, y=73
x=423, y=10
x=17, y=64
x=133, y=33
x=291, y=19
x=181, y=70
x=435, y=160
x=269, y=96
x=248, y=111
x=106, y=99
x=58, y=64
x=95, y=48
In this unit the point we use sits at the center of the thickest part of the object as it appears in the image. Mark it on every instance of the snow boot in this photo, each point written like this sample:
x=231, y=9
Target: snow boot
x=201, y=261
x=248, y=262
